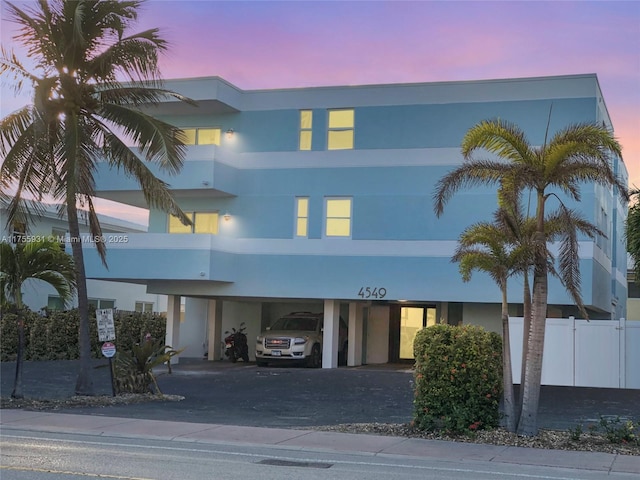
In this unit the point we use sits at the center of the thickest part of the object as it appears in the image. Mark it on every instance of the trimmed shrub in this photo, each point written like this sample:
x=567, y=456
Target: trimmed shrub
x=458, y=378
x=9, y=333
x=55, y=336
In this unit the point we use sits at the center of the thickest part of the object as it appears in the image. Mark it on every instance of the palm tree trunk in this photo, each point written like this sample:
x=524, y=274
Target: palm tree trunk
x=17, y=382
x=84, y=382
x=526, y=327
x=507, y=374
x=528, y=423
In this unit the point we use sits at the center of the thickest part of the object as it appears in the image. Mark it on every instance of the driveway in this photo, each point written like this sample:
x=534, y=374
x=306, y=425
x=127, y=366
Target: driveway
x=243, y=394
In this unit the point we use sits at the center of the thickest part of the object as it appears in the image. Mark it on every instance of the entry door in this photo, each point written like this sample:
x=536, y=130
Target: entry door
x=413, y=319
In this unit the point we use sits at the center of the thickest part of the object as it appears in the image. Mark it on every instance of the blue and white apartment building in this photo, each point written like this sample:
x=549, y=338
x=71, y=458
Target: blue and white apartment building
x=321, y=199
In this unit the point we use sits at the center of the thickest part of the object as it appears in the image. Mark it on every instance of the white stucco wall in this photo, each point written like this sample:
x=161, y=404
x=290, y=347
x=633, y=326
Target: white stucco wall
x=633, y=309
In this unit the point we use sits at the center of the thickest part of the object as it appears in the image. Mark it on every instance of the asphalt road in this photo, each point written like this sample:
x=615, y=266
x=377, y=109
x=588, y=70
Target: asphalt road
x=53, y=456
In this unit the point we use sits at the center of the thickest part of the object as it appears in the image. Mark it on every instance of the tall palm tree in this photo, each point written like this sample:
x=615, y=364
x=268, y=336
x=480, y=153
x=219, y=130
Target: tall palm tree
x=39, y=259
x=82, y=114
x=574, y=155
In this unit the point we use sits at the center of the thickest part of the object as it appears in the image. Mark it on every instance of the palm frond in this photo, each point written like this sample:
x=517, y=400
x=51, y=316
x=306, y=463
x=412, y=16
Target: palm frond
x=504, y=139
x=155, y=191
x=40, y=259
x=159, y=142
x=469, y=174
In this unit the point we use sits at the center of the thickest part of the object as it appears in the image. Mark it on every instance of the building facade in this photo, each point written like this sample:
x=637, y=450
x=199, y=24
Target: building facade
x=320, y=199
x=102, y=294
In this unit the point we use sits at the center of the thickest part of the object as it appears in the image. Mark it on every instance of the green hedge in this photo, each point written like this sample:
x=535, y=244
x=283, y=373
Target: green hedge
x=458, y=378
x=55, y=336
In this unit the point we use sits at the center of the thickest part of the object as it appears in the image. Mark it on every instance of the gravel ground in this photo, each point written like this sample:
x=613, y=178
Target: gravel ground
x=550, y=439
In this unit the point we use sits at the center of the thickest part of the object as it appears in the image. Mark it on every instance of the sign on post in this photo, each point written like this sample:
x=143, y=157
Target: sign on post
x=108, y=349
x=106, y=328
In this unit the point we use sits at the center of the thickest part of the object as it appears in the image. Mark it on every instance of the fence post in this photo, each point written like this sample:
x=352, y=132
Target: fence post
x=622, y=341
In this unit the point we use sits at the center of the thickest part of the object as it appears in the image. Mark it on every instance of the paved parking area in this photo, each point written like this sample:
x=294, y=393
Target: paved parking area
x=243, y=394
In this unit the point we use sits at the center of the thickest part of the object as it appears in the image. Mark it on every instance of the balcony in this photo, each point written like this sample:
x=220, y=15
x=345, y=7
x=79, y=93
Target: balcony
x=141, y=257
x=204, y=170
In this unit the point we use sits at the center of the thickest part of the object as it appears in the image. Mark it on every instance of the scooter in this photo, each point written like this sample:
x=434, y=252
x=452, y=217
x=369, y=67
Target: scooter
x=235, y=344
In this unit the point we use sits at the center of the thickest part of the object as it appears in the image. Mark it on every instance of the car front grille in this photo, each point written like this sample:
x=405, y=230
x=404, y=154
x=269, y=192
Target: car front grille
x=277, y=343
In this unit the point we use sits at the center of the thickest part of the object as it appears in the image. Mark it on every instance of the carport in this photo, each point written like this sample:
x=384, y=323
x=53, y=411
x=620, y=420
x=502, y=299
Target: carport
x=198, y=326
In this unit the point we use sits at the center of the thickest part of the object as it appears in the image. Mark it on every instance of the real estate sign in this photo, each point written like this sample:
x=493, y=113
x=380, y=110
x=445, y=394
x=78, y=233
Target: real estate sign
x=106, y=327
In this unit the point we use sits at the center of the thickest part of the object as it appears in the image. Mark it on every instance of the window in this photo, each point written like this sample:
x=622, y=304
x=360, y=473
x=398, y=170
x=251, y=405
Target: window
x=302, y=216
x=306, y=117
x=206, y=222
x=201, y=136
x=176, y=226
x=146, y=307
x=341, y=125
x=19, y=232
x=202, y=222
x=59, y=236
x=208, y=136
x=338, y=221
x=101, y=303
x=54, y=302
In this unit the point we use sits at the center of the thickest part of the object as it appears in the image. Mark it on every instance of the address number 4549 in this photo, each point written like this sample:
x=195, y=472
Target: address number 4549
x=372, y=292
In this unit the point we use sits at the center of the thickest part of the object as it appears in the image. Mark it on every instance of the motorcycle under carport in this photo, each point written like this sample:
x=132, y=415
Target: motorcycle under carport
x=235, y=344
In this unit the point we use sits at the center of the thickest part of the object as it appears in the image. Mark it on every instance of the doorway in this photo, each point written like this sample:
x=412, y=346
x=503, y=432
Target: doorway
x=413, y=319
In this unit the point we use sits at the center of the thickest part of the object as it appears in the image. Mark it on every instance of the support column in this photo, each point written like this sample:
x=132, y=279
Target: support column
x=172, y=336
x=215, y=330
x=354, y=356
x=330, y=334
x=444, y=312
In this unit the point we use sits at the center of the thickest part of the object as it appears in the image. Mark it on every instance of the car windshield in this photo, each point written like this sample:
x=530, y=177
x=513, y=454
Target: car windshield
x=302, y=323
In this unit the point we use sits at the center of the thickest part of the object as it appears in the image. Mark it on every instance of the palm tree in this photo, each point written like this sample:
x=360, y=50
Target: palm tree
x=485, y=247
x=574, y=155
x=83, y=114
x=40, y=259
x=633, y=234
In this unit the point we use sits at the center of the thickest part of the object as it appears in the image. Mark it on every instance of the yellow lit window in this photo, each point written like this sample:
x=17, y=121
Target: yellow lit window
x=341, y=126
x=306, y=118
x=302, y=216
x=208, y=136
x=189, y=136
x=176, y=226
x=201, y=136
x=338, y=221
x=206, y=222
x=202, y=222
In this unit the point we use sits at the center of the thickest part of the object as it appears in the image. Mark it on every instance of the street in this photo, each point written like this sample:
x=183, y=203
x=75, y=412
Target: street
x=37, y=455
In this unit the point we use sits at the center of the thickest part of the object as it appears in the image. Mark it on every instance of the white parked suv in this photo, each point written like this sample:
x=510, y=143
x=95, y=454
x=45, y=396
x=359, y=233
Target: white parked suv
x=297, y=337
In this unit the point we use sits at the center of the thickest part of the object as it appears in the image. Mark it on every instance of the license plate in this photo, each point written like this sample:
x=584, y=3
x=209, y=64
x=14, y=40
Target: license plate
x=276, y=353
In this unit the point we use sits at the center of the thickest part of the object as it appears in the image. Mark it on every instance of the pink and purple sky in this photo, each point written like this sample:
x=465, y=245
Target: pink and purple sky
x=280, y=44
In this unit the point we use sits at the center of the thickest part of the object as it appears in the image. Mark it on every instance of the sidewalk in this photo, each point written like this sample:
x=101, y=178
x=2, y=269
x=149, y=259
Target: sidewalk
x=315, y=440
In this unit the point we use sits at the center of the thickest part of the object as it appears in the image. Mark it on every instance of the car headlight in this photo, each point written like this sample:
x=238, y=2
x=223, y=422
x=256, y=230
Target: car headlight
x=259, y=340
x=300, y=340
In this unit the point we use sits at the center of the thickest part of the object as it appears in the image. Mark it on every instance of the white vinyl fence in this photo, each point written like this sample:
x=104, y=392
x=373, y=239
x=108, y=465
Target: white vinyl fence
x=595, y=353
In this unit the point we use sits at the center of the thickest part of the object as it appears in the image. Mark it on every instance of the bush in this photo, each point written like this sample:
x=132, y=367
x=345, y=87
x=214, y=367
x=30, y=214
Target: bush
x=9, y=332
x=458, y=378
x=55, y=336
x=133, y=370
